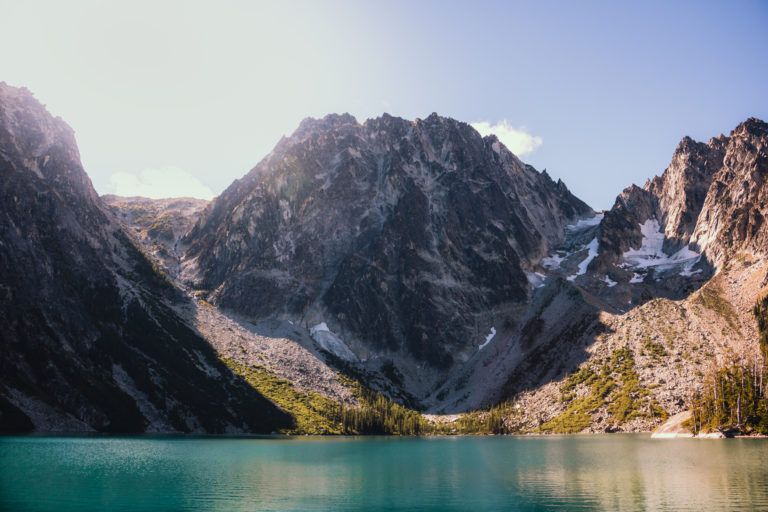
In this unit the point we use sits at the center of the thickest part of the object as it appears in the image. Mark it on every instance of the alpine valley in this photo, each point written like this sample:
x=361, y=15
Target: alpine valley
x=393, y=276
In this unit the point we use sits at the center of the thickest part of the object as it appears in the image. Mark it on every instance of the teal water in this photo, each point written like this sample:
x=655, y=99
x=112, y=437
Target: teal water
x=614, y=472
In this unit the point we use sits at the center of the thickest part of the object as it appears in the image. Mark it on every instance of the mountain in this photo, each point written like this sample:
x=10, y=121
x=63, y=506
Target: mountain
x=91, y=338
x=413, y=258
x=682, y=260
x=435, y=260
x=403, y=239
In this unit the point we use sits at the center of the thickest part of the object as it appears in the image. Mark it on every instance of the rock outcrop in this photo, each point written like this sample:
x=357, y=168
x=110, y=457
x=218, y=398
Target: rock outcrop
x=733, y=216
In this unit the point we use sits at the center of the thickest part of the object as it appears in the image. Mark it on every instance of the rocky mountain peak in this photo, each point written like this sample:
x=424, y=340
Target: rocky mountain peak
x=326, y=123
x=403, y=236
x=680, y=191
x=733, y=217
x=704, y=208
x=751, y=127
x=32, y=139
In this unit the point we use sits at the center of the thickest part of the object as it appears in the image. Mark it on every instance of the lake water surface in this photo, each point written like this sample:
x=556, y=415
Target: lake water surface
x=609, y=472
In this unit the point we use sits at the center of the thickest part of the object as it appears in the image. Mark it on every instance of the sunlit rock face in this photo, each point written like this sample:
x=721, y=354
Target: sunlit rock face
x=733, y=217
x=88, y=340
x=404, y=237
x=707, y=206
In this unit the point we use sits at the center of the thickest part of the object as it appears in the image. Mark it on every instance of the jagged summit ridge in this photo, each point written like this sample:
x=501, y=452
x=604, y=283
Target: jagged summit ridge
x=401, y=234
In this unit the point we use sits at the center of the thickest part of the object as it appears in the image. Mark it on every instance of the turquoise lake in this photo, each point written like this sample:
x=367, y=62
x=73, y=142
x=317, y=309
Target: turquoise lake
x=609, y=472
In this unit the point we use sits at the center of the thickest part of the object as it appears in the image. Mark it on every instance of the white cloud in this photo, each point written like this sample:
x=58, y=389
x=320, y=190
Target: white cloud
x=159, y=183
x=517, y=140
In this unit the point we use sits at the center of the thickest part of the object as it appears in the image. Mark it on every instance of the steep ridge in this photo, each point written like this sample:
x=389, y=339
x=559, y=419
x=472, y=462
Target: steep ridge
x=403, y=239
x=733, y=217
x=88, y=338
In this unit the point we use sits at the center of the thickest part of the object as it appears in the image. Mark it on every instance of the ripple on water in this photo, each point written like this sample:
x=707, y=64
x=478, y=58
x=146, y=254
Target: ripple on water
x=467, y=473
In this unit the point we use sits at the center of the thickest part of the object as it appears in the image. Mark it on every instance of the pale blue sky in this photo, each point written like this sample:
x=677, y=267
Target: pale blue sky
x=187, y=92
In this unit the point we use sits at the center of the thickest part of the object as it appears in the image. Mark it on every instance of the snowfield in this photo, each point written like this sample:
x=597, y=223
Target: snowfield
x=487, y=339
x=330, y=342
x=592, y=254
x=651, y=255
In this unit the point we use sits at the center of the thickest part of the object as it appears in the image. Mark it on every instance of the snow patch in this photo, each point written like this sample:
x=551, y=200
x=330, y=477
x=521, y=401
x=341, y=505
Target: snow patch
x=536, y=279
x=636, y=278
x=611, y=283
x=650, y=247
x=330, y=342
x=488, y=339
x=592, y=254
x=688, y=270
x=553, y=261
x=650, y=254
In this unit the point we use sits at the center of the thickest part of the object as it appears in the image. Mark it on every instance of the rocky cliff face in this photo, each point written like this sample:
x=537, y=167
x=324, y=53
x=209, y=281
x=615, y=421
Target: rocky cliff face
x=89, y=338
x=401, y=237
x=669, y=237
x=733, y=216
x=711, y=197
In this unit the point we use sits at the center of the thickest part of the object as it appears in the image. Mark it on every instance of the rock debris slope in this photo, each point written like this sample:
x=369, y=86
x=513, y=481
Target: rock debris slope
x=88, y=341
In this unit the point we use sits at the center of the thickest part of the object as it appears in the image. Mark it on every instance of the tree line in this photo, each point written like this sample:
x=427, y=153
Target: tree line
x=736, y=394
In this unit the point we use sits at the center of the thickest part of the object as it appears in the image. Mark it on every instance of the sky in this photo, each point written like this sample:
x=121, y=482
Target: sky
x=182, y=98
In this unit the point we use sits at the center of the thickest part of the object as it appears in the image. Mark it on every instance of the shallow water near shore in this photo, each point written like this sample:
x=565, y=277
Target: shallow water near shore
x=608, y=472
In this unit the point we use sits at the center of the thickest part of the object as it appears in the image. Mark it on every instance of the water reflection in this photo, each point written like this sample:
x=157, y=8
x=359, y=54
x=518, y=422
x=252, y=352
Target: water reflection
x=469, y=473
x=636, y=473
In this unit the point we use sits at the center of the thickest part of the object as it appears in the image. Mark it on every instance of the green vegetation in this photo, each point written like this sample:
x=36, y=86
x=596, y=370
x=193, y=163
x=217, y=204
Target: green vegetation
x=711, y=297
x=161, y=226
x=569, y=422
x=735, y=395
x=376, y=414
x=613, y=383
x=312, y=413
x=656, y=350
x=315, y=414
x=488, y=421
x=380, y=415
x=761, y=314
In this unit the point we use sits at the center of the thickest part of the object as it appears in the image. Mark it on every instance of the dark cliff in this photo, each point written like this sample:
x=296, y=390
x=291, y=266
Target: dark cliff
x=88, y=337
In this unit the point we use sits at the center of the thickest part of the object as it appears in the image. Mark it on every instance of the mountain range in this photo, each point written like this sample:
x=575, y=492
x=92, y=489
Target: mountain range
x=414, y=259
